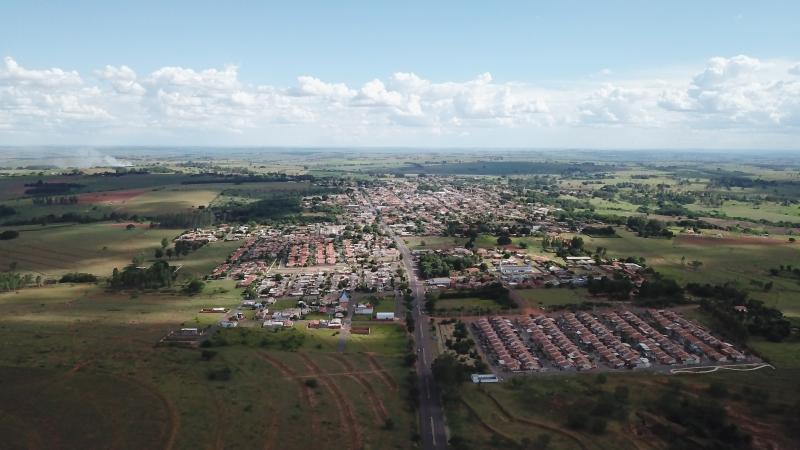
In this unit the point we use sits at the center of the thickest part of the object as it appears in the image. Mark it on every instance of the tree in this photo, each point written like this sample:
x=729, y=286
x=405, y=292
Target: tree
x=130, y=226
x=194, y=287
x=503, y=240
x=164, y=243
x=159, y=253
x=8, y=235
x=169, y=253
x=138, y=260
x=448, y=372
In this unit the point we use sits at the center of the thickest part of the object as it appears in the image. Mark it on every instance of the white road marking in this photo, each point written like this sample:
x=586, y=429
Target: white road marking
x=424, y=360
x=433, y=433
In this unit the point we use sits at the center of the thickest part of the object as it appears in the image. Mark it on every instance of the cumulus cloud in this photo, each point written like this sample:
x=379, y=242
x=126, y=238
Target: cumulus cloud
x=739, y=92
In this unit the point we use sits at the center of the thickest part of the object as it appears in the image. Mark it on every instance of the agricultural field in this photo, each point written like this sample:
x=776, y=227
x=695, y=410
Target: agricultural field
x=169, y=200
x=92, y=248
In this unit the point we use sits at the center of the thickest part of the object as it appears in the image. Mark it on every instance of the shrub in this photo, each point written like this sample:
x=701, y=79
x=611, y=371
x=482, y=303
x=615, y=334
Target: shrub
x=78, y=277
x=223, y=374
x=8, y=235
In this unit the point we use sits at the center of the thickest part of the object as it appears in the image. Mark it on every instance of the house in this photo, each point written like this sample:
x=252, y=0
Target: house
x=385, y=316
x=335, y=323
x=516, y=269
x=438, y=281
x=344, y=299
x=479, y=378
x=364, y=309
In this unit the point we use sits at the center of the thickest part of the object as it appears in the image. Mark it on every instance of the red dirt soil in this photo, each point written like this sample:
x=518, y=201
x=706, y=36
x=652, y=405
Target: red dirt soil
x=111, y=197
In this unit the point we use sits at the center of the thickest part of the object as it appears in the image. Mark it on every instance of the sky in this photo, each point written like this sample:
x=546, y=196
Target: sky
x=566, y=74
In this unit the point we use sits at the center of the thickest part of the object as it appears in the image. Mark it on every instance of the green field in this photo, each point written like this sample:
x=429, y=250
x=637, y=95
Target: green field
x=94, y=248
x=544, y=298
x=737, y=263
x=90, y=354
x=500, y=416
x=169, y=200
x=433, y=242
x=465, y=305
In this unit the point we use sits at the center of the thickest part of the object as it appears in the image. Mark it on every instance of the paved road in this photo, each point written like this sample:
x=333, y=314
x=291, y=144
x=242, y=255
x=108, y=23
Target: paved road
x=432, y=429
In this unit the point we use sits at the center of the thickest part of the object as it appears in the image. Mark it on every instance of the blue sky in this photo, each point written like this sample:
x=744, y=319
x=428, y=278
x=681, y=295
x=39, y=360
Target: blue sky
x=546, y=59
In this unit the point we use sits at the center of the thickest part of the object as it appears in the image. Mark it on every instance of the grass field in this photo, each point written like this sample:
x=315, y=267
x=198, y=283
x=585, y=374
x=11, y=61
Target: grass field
x=94, y=248
x=170, y=199
x=502, y=416
x=769, y=211
x=203, y=260
x=96, y=363
x=466, y=305
x=433, y=242
x=723, y=261
x=544, y=298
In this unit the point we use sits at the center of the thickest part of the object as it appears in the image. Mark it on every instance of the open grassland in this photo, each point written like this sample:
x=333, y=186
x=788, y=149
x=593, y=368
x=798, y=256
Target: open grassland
x=203, y=260
x=90, y=355
x=14, y=187
x=769, y=211
x=94, y=248
x=433, y=242
x=736, y=259
x=545, y=298
x=512, y=413
x=466, y=305
x=169, y=200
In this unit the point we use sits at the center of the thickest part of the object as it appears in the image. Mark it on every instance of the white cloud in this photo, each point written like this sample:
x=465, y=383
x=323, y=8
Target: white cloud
x=123, y=79
x=739, y=93
x=13, y=73
x=308, y=85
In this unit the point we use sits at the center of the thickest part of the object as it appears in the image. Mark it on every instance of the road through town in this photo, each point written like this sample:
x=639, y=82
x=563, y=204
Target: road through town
x=432, y=428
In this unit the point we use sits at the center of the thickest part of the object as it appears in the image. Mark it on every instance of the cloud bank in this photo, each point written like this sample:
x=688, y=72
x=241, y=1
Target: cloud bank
x=751, y=101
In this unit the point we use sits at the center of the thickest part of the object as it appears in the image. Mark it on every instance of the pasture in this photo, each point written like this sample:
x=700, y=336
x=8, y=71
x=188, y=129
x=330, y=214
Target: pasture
x=168, y=200
x=92, y=353
x=741, y=260
x=94, y=248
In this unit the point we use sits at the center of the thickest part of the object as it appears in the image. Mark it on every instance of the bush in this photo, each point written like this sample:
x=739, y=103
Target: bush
x=577, y=419
x=194, y=287
x=8, y=235
x=312, y=383
x=78, y=277
x=223, y=374
x=207, y=355
x=597, y=425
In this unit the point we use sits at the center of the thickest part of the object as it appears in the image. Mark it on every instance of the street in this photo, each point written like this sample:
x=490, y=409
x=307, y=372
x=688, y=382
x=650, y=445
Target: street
x=432, y=428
